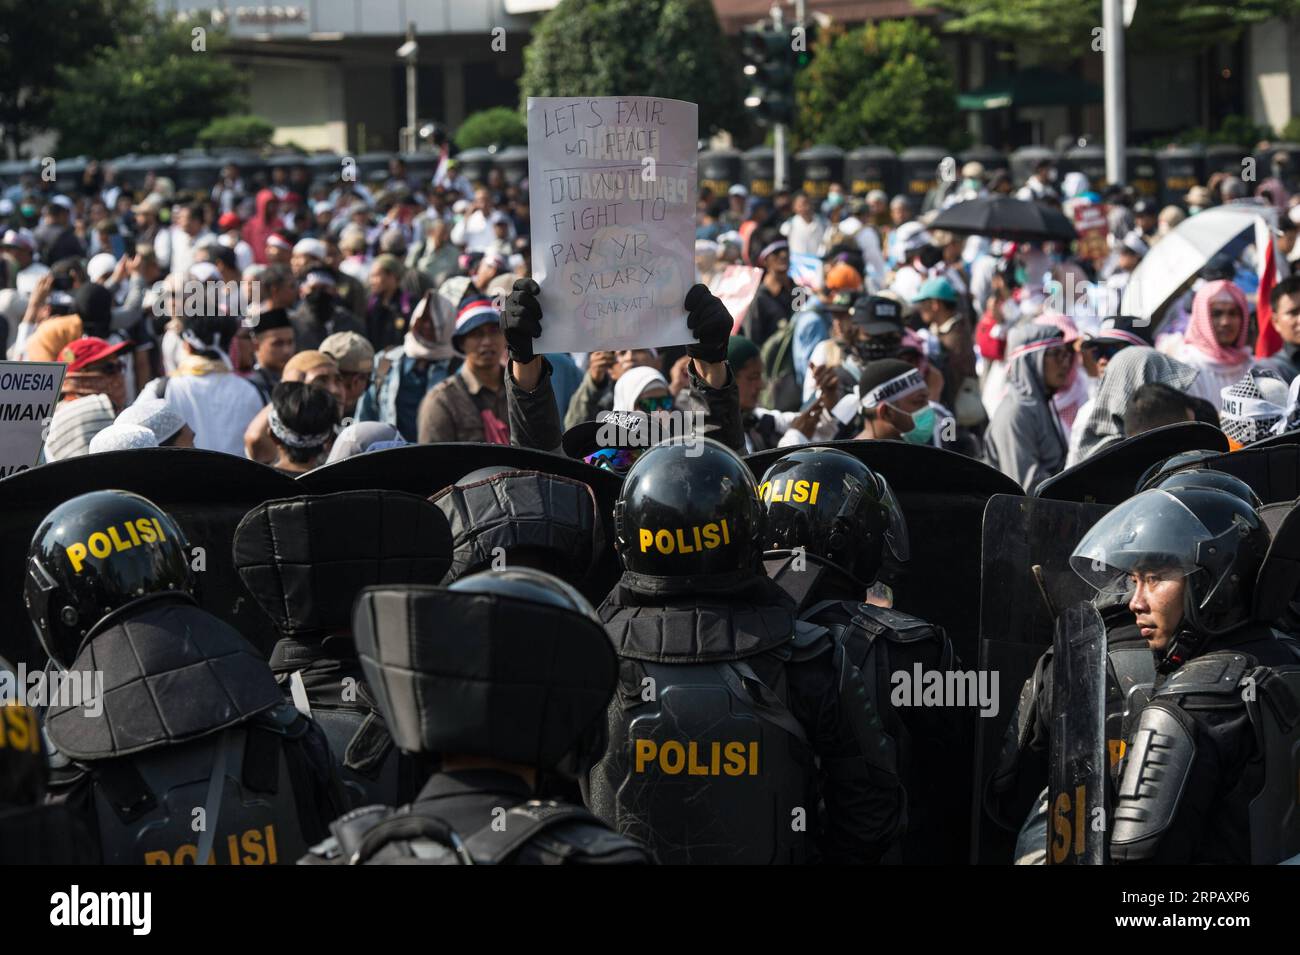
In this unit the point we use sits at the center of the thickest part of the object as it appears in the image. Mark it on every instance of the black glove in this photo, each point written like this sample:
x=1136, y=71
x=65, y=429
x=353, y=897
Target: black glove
x=709, y=319
x=521, y=320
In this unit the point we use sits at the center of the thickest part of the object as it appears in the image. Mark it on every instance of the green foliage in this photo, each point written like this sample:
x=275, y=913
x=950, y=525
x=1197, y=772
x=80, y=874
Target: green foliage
x=37, y=39
x=243, y=131
x=500, y=125
x=153, y=93
x=1066, y=26
x=886, y=83
x=1234, y=131
x=669, y=48
x=1290, y=133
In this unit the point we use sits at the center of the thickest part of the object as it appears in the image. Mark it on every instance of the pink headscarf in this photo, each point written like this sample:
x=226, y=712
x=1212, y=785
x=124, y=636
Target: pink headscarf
x=1071, y=397
x=1200, y=330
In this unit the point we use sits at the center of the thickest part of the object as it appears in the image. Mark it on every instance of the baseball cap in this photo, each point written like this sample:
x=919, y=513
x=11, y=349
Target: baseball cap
x=842, y=277
x=19, y=238
x=62, y=202
x=738, y=190
x=312, y=248
x=877, y=315
x=1134, y=243
x=279, y=241
x=352, y=351
x=84, y=352
x=268, y=321
x=473, y=313
x=1123, y=329
x=100, y=266
x=228, y=221
x=936, y=288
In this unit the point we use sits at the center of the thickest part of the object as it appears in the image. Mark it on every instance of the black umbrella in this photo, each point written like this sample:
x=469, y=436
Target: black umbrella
x=1002, y=217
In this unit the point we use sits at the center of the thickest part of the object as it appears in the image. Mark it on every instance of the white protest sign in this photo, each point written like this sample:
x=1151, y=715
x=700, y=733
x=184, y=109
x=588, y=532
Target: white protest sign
x=736, y=286
x=612, y=188
x=29, y=391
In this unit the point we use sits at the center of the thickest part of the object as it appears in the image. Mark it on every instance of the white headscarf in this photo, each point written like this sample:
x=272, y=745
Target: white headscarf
x=632, y=383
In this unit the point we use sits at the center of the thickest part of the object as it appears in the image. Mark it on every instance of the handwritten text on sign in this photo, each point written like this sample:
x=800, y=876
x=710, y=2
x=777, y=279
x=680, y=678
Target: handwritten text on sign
x=612, y=184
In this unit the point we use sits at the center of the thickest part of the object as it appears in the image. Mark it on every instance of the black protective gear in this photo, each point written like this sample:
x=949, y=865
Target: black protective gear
x=688, y=518
x=711, y=324
x=1211, y=537
x=460, y=818
x=510, y=665
x=95, y=554
x=834, y=508
x=1207, y=478
x=521, y=319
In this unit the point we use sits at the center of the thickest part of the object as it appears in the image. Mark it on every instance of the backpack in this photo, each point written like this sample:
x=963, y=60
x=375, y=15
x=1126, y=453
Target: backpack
x=782, y=392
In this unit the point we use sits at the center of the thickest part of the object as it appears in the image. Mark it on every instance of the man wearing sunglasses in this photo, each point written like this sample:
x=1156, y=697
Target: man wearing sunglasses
x=94, y=367
x=1095, y=352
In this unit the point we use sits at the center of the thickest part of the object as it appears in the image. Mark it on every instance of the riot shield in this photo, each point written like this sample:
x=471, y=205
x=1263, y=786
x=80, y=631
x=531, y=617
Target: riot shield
x=1076, y=791
x=1287, y=438
x=1110, y=475
x=207, y=492
x=1278, y=580
x=1016, y=626
x=425, y=469
x=943, y=497
x=1272, y=472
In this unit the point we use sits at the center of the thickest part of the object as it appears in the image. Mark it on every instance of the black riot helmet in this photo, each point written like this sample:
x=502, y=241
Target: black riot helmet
x=1207, y=478
x=1183, y=461
x=688, y=518
x=1211, y=538
x=94, y=554
x=511, y=664
x=837, y=510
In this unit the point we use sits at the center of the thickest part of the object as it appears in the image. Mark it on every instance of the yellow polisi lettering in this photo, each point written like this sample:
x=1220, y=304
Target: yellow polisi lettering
x=114, y=539
x=76, y=556
x=685, y=540
x=675, y=758
x=250, y=847
x=782, y=490
x=99, y=544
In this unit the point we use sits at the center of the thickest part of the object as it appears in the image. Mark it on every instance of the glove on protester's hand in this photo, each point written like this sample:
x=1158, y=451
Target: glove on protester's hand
x=521, y=320
x=709, y=319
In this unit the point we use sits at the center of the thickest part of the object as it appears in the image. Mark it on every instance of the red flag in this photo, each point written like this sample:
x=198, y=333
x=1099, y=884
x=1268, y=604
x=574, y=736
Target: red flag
x=1268, y=340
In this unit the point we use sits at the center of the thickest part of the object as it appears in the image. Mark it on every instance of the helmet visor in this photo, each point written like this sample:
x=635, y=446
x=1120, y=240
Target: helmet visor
x=896, y=533
x=1152, y=534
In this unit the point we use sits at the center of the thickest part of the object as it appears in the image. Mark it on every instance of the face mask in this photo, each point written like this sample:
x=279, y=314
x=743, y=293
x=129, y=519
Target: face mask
x=922, y=426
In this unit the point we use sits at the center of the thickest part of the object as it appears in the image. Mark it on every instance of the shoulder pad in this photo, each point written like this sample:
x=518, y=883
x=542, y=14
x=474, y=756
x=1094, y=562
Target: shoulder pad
x=809, y=640
x=283, y=718
x=1156, y=771
x=591, y=844
x=893, y=624
x=1215, y=674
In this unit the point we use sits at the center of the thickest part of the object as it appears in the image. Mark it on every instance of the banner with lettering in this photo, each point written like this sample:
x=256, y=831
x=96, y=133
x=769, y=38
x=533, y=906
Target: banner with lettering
x=612, y=189
x=29, y=391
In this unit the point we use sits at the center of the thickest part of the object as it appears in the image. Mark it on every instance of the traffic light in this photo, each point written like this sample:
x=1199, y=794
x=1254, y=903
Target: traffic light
x=769, y=66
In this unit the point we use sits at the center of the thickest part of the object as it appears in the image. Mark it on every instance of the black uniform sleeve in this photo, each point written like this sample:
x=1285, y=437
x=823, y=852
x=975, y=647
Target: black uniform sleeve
x=534, y=415
x=865, y=804
x=719, y=406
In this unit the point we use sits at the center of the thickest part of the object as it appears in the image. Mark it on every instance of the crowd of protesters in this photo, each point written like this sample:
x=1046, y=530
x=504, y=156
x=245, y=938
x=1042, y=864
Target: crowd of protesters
x=225, y=318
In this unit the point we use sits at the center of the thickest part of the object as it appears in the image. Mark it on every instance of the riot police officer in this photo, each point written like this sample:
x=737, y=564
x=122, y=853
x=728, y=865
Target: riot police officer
x=504, y=676
x=31, y=833
x=502, y=516
x=184, y=722
x=304, y=560
x=835, y=535
x=731, y=716
x=1201, y=775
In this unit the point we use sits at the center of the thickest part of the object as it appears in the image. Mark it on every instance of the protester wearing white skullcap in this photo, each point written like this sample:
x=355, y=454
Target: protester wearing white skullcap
x=123, y=437
x=74, y=424
x=156, y=416
x=101, y=266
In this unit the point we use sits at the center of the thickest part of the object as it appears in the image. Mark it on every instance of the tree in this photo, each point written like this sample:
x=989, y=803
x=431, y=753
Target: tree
x=500, y=126
x=153, y=93
x=242, y=132
x=669, y=48
x=886, y=83
x=37, y=39
x=1067, y=26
